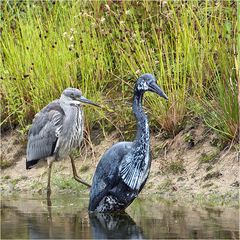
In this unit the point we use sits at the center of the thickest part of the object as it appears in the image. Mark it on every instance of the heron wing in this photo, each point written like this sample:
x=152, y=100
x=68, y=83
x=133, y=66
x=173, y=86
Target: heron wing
x=43, y=135
x=133, y=169
x=107, y=172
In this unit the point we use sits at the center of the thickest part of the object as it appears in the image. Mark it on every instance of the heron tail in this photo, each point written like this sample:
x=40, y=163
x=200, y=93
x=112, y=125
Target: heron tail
x=31, y=163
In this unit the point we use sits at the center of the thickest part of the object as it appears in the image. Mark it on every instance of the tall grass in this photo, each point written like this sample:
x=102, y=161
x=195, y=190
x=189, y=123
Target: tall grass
x=102, y=46
x=222, y=110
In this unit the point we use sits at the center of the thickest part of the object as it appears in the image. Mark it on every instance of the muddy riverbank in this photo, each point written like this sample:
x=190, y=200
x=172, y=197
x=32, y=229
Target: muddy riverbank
x=194, y=165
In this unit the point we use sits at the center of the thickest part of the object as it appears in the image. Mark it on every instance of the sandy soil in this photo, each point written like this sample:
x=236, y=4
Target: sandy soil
x=192, y=165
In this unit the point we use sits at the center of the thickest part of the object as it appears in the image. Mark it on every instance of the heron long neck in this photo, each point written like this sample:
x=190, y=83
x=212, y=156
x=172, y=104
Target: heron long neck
x=141, y=118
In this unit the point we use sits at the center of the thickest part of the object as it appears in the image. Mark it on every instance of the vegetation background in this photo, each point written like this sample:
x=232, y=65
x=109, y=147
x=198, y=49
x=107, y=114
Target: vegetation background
x=103, y=46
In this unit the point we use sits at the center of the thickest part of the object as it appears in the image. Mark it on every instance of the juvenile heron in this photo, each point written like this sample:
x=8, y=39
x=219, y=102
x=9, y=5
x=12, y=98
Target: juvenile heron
x=56, y=130
x=123, y=169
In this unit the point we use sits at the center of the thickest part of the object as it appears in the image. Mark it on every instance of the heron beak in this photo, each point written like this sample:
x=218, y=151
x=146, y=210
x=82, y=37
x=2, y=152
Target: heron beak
x=87, y=101
x=153, y=87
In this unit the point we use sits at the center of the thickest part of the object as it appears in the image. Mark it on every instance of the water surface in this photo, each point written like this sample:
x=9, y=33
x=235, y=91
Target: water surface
x=68, y=218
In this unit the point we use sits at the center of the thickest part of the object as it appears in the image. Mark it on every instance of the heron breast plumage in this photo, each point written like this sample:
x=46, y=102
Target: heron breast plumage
x=72, y=130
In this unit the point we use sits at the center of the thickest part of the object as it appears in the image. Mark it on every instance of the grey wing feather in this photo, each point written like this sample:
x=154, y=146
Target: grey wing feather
x=132, y=171
x=43, y=135
x=107, y=174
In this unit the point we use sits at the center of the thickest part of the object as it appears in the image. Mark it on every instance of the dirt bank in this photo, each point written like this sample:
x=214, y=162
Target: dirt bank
x=194, y=165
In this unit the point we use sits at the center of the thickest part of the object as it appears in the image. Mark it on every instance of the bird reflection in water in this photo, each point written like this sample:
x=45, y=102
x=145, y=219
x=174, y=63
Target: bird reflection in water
x=114, y=226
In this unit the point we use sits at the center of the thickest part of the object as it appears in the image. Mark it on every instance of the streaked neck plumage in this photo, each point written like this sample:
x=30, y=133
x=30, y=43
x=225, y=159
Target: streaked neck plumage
x=141, y=118
x=135, y=166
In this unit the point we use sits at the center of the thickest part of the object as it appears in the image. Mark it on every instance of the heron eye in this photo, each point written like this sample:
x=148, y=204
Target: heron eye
x=72, y=95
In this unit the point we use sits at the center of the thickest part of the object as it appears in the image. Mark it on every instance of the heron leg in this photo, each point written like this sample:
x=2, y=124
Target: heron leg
x=75, y=175
x=41, y=175
x=50, y=162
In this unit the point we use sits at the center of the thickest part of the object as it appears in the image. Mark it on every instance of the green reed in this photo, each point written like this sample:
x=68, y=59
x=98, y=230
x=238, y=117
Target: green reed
x=102, y=46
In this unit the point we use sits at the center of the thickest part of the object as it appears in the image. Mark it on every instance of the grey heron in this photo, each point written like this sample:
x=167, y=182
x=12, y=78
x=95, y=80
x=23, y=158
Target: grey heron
x=56, y=130
x=123, y=169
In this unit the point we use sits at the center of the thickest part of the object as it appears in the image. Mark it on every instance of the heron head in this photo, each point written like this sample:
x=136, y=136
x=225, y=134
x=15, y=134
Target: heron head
x=147, y=82
x=74, y=95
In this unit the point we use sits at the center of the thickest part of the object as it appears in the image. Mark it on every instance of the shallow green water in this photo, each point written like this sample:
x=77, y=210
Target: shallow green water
x=30, y=218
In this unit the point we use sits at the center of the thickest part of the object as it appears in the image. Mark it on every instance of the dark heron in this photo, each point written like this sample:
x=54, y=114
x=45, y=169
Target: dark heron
x=56, y=130
x=123, y=169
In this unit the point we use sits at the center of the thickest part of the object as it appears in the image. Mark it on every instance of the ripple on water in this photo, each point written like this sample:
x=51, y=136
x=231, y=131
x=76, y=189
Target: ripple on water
x=24, y=218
